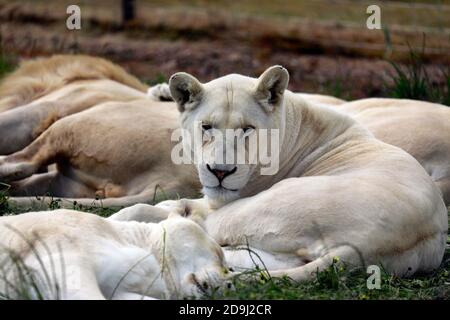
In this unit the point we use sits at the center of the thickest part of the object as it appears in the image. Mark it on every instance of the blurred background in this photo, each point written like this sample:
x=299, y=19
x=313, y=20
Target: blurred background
x=324, y=44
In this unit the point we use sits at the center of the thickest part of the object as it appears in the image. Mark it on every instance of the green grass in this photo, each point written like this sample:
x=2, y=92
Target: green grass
x=337, y=88
x=413, y=81
x=343, y=282
x=157, y=79
x=5, y=65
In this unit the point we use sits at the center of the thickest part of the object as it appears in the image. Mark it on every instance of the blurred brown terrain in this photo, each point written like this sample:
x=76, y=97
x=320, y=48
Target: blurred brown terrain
x=324, y=43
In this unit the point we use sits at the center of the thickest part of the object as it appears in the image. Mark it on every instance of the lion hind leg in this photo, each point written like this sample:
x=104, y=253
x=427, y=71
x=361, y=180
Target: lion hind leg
x=13, y=171
x=22, y=125
x=23, y=164
x=309, y=271
x=36, y=185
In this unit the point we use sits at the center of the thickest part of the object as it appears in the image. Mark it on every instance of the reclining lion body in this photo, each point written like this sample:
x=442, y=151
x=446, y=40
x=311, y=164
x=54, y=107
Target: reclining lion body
x=67, y=254
x=94, y=161
x=420, y=128
x=37, y=78
x=22, y=125
x=44, y=90
x=338, y=191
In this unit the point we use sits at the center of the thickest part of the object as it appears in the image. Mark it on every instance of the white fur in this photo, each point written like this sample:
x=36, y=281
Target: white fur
x=339, y=191
x=88, y=257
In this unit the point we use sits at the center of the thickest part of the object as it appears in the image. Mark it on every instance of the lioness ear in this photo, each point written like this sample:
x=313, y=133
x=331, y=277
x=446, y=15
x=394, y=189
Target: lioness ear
x=271, y=86
x=186, y=90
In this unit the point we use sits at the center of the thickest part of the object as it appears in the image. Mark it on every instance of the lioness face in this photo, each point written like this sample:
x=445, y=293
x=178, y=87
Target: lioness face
x=227, y=114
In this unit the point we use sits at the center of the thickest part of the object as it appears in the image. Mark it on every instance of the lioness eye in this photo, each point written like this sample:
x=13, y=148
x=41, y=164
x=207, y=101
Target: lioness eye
x=206, y=127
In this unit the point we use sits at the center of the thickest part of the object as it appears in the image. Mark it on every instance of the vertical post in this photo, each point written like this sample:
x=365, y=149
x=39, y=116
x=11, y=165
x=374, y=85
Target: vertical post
x=128, y=11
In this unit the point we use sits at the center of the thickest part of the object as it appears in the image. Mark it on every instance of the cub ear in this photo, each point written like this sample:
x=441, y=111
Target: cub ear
x=186, y=90
x=271, y=86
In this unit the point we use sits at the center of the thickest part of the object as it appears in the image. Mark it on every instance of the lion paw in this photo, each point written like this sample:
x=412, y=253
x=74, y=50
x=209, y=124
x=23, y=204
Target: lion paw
x=160, y=92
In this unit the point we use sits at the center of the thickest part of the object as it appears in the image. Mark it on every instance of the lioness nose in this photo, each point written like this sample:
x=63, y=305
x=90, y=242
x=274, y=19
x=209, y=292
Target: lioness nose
x=221, y=173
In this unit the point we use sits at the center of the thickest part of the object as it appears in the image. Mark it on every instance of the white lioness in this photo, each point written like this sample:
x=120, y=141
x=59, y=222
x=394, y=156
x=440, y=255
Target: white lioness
x=338, y=192
x=67, y=254
x=418, y=127
x=85, y=146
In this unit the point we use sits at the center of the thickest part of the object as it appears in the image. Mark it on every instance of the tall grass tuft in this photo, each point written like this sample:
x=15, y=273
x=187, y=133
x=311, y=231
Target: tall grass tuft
x=413, y=81
x=4, y=205
x=19, y=281
x=6, y=65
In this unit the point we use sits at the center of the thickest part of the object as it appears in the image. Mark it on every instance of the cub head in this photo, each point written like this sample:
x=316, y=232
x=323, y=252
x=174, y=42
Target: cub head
x=232, y=124
x=195, y=263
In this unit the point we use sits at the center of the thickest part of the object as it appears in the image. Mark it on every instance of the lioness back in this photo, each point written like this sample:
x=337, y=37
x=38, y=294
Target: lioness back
x=38, y=77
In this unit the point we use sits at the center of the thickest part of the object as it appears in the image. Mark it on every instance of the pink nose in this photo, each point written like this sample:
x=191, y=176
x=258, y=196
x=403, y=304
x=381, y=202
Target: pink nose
x=221, y=174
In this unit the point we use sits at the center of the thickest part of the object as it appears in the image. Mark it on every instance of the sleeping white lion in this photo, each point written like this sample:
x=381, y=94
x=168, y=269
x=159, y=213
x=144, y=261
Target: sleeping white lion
x=67, y=254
